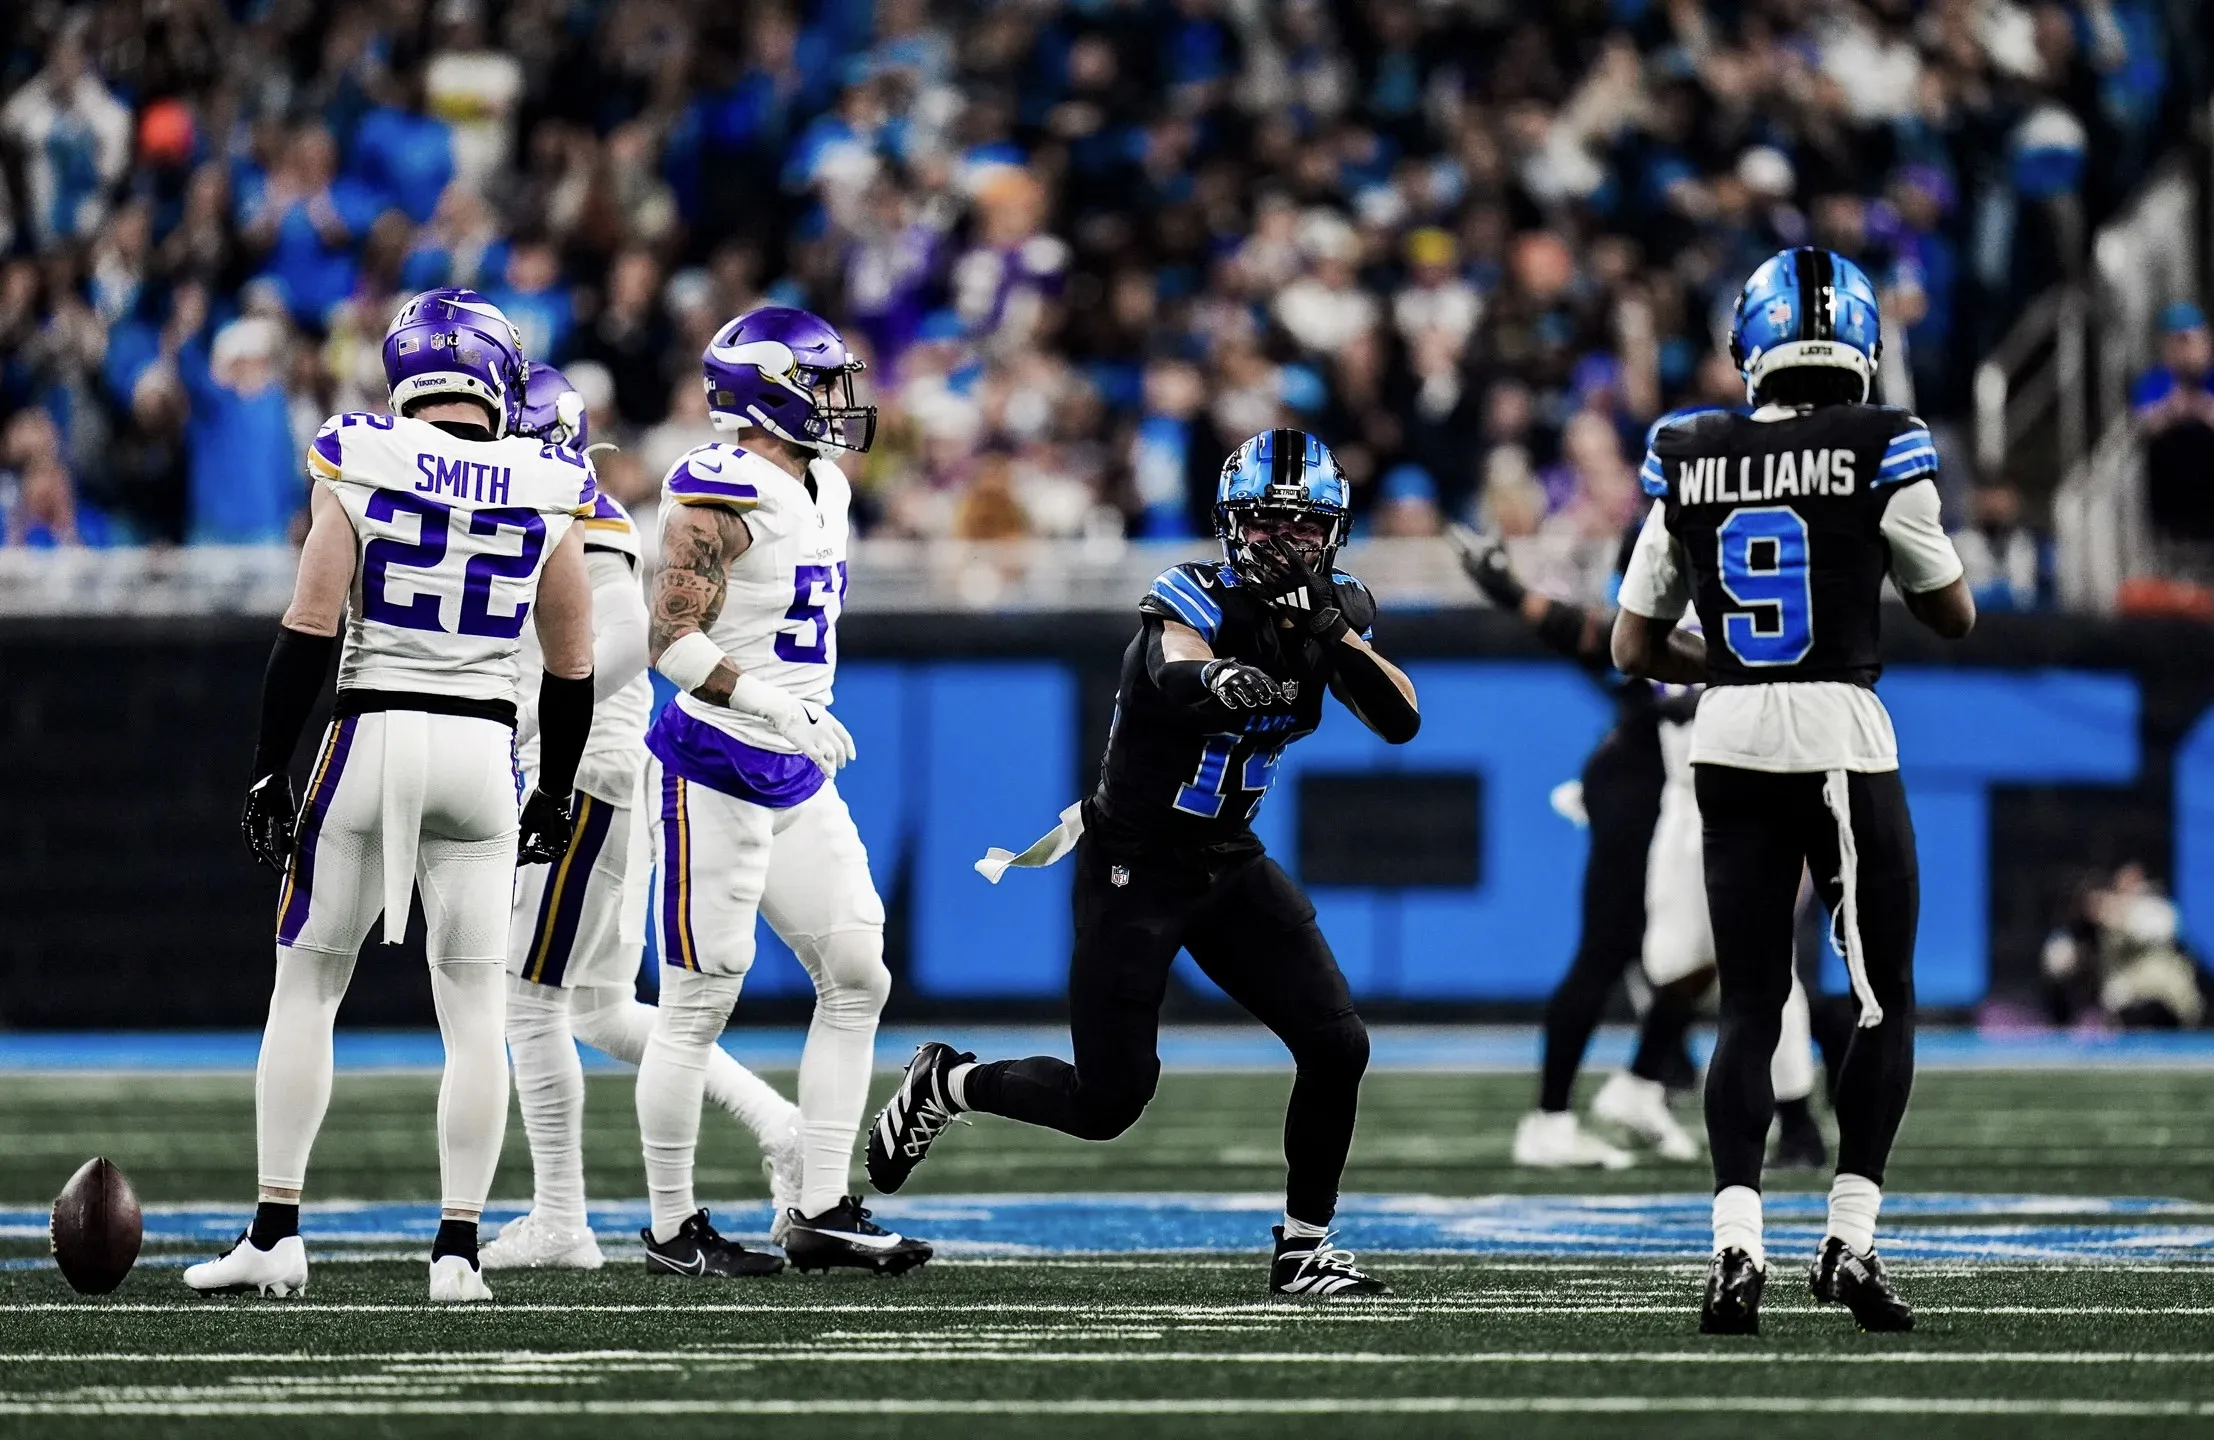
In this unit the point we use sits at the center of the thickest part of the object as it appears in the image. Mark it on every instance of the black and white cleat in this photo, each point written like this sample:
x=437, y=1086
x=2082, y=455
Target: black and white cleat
x=845, y=1238
x=1318, y=1270
x=1732, y=1303
x=916, y=1115
x=1838, y=1276
x=696, y=1252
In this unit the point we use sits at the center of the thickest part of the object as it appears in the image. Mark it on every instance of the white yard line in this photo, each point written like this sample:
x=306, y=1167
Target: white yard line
x=502, y=1363
x=1823, y=1404
x=1337, y=1310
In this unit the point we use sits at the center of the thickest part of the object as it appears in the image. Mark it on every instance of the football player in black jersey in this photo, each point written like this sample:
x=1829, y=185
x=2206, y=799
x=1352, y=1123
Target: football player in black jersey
x=1781, y=526
x=1228, y=667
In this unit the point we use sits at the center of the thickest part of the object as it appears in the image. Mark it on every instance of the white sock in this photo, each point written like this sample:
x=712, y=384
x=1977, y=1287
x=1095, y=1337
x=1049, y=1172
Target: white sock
x=471, y=998
x=1854, y=1201
x=851, y=985
x=1301, y=1230
x=292, y=1079
x=1791, y=1068
x=549, y=1084
x=613, y=1021
x=957, y=1083
x=672, y=1076
x=1737, y=1222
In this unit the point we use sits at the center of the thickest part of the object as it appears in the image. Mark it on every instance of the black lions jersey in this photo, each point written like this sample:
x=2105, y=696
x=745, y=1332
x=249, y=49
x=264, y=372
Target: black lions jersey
x=1169, y=782
x=1780, y=515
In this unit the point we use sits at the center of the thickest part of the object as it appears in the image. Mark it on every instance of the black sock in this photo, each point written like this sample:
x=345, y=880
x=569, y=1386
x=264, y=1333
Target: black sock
x=1795, y=1114
x=456, y=1237
x=273, y=1221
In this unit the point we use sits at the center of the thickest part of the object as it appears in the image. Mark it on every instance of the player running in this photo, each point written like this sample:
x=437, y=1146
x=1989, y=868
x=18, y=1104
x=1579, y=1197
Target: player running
x=573, y=947
x=1228, y=667
x=745, y=819
x=437, y=533
x=1644, y=903
x=1781, y=526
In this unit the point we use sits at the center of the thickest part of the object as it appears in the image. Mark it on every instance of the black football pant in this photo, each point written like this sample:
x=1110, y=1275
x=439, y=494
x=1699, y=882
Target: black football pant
x=1622, y=799
x=1760, y=828
x=1252, y=930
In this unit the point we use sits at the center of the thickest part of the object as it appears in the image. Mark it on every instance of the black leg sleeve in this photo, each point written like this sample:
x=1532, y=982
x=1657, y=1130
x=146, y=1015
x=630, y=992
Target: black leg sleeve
x=1755, y=826
x=1258, y=940
x=1622, y=792
x=1877, y=1075
x=1126, y=937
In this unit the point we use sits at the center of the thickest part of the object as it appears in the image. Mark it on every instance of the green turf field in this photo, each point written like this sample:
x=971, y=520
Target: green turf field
x=1080, y=1346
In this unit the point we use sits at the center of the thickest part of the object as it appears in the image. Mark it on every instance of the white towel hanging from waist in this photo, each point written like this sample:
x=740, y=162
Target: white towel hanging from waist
x=1845, y=924
x=1043, y=851
x=406, y=766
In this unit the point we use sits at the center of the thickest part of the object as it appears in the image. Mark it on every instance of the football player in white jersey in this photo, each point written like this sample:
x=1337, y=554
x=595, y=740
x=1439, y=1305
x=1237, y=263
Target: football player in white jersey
x=746, y=819
x=573, y=947
x=437, y=535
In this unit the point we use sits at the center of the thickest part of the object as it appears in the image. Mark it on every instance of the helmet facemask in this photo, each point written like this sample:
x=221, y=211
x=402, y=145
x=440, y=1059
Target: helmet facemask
x=1311, y=533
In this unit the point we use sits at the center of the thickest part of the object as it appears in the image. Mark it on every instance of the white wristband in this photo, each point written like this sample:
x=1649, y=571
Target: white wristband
x=689, y=660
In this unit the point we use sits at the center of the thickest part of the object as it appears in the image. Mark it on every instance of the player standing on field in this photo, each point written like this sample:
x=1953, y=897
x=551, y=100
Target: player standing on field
x=437, y=534
x=1780, y=527
x=573, y=946
x=1228, y=667
x=746, y=821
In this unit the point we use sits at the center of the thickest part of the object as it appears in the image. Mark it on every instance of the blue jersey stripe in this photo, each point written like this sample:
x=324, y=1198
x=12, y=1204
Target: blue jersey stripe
x=1652, y=476
x=1910, y=453
x=1185, y=610
x=1189, y=589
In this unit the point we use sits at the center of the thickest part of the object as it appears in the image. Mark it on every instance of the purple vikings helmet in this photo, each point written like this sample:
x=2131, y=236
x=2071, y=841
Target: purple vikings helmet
x=454, y=343
x=790, y=373
x=552, y=409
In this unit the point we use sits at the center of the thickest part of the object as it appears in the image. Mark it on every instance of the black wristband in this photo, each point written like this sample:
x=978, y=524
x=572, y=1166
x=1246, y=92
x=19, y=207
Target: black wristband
x=1562, y=627
x=1184, y=682
x=297, y=664
x=564, y=723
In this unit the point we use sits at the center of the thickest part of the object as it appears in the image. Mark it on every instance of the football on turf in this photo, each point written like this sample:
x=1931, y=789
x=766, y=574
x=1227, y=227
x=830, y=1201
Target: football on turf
x=95, y=1230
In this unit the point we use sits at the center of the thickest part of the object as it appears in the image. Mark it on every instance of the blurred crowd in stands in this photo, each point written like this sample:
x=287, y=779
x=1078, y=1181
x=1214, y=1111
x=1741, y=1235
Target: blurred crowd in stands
x=1086, y=245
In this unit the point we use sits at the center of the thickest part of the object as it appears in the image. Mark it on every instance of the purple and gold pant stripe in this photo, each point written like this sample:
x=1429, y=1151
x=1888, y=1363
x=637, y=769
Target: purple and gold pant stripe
x=676, y=876
x=562, y=906
x=299, y=877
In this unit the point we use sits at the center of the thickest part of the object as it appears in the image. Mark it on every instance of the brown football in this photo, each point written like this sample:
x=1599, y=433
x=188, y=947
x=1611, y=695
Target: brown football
x=96, y=1228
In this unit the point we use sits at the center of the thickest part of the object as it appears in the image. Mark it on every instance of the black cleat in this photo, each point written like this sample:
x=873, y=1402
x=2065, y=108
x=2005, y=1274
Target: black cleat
x=844, y=1237
x=1732, y=1304
x=1316, y=1269
x=1800, y=1146
x=1860, y=1284
x=917, y=1114
x=698, y=1253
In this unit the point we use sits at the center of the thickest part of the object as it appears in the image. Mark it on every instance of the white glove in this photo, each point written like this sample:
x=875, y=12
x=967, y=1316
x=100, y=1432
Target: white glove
x=812, y=731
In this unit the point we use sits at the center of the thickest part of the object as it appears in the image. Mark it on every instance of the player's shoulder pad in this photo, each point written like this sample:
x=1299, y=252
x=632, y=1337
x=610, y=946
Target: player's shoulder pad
x=326, y=453
x=1189, y=594
x=1910, y=453
x=609, y=527
x=1355, y=603
x=1674, y=435
x=720, y=475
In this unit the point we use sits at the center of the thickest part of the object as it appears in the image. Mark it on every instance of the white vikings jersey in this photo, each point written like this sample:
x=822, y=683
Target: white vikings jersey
x=779, y=621
x=617, y=745
x=454, y=535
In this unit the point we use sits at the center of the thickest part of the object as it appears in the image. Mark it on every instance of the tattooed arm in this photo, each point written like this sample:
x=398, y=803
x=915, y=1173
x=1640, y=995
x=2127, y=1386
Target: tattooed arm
x=698, y=543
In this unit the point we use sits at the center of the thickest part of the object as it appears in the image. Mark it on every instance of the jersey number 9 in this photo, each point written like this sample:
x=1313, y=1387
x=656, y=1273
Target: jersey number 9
x=1763, y=559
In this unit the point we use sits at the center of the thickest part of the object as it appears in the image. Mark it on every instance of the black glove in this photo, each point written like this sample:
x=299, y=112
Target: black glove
x=1241, y=686
x=546, y=831
x=267, y=821
x=1485, y=560
x=1292, y=591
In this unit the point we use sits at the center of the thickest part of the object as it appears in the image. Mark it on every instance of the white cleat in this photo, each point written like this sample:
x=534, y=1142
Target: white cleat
x=780, y=1166
x=455, y=1279
x=1641, y=1107
x=531, y=1242
x=279, y=1271
x=1544, y=1140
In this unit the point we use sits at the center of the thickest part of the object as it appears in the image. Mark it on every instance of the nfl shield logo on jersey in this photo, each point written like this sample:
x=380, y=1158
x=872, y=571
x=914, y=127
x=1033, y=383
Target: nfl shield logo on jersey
x=1118, y=875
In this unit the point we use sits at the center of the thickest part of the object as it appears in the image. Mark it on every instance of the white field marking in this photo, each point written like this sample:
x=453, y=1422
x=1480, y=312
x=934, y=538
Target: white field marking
x=1335, y=1311
x=1304, y=1405
x=498, y=1367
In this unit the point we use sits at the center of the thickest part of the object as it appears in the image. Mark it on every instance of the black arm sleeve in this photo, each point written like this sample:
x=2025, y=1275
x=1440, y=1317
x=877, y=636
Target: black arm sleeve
x=564, y=722
x=1183, y=682
x=1568, y=629
x=1362, y=684
x=297, y=664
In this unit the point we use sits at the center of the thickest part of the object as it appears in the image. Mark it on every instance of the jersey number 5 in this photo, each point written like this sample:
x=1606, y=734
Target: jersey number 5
x=817, y=592
x=1763, y=558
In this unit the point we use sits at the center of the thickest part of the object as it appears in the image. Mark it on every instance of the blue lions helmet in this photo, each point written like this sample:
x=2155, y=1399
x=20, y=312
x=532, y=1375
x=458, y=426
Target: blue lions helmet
x=1806, y=309
x=1283, y=484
